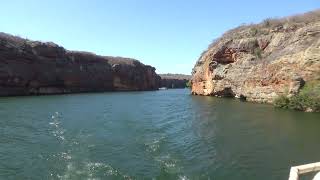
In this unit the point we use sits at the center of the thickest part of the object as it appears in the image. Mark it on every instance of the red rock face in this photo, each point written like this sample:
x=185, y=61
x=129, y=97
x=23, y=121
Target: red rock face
x=28, y=67
x=134, y=76
x=259, y=66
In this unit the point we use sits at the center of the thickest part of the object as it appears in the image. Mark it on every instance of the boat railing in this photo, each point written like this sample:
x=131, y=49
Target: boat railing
x=296, y=171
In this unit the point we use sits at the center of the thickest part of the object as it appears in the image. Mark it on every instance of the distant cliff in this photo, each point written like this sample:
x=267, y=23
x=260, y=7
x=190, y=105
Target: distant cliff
x=32, y=67
x=174, y=80
x=262, y=62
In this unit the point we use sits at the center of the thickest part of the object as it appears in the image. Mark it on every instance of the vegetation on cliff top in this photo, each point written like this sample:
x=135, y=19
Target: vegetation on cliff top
x=265, y=27
x=23, y=44
x=175, y=76
x=275, y=24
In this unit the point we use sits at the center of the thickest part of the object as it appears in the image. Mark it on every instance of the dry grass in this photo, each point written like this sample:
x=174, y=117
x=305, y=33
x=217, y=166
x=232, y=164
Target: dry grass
x=263, y=28
x=19, y=42
x=270, y=23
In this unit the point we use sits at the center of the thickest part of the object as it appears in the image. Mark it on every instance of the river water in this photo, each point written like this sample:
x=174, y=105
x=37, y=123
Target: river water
x=151, y=135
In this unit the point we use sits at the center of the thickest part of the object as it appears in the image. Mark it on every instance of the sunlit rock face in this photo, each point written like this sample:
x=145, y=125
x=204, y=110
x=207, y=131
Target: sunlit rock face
x=32, y=67
x=260, y=62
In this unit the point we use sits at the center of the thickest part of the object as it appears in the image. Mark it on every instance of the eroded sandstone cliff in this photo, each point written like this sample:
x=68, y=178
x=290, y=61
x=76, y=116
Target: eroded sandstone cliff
x=32, y=67
x=260, y=62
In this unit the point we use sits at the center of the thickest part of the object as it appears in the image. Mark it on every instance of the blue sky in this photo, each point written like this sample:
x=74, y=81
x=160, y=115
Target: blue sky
x=167, y=34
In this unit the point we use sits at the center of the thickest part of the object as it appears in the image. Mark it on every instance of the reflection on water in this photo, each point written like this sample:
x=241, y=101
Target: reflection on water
x=152, y=135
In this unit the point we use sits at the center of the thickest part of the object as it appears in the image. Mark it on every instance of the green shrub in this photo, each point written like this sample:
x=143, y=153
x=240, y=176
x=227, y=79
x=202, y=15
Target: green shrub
x=188, y=84
x=302, y=102
x=282, y=102
x=311, y=94
x=253, y=31
x=258, y=52
x=308, y=98
x=267, y=22
x=312, y=88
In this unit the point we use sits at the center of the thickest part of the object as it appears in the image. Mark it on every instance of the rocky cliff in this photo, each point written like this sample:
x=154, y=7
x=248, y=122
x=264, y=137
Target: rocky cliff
x=174, y=80
x=32, y=67
x=260, y=62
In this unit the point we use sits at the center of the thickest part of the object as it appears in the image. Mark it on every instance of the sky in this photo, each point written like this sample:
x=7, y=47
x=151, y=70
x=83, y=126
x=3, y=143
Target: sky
x=167, y=34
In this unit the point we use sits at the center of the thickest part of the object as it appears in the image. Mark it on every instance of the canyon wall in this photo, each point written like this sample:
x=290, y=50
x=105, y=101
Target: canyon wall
x=174, y=80
x=260, y=62
x=33, y=67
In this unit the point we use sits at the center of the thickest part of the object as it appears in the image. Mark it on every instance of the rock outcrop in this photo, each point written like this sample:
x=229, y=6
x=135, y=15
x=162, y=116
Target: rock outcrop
x=32, y=67
x=260, y=62
x=174, y=80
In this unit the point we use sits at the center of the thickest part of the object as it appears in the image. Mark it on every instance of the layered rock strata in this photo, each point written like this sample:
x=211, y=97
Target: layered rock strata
x=263, y=61
x=33, y=67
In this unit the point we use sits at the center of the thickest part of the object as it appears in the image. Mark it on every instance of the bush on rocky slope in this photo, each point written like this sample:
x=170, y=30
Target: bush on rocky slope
x=308, y=98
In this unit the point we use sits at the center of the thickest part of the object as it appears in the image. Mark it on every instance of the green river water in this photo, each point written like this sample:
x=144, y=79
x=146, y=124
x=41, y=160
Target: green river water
x=151, y=135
